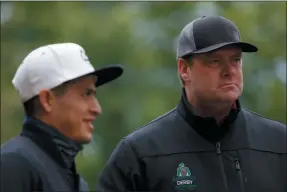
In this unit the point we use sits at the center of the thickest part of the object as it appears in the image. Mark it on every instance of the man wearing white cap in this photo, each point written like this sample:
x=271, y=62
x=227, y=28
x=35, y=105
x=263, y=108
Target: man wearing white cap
x=57, y=85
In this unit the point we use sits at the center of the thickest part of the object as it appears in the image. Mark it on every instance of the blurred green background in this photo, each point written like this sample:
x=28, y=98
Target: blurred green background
x=141, y=36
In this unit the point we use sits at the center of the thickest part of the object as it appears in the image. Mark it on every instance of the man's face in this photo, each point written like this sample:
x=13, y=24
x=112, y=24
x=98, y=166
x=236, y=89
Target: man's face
x=216, y=76
x=76, y=110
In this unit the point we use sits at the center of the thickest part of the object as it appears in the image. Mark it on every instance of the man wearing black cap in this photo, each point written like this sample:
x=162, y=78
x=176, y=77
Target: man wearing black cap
x=208, y=143
x=57, y=85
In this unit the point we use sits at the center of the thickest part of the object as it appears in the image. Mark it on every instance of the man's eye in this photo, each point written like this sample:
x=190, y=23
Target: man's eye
x=88, y=92
x=236, y=59
x=215, y=61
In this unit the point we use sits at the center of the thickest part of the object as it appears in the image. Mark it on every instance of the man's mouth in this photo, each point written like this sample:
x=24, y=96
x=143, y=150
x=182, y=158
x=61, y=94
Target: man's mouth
x=90, y=121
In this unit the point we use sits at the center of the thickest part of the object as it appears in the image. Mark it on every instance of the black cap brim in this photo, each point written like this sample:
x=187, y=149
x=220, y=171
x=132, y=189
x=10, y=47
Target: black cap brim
x=107, y=74
x=245, y=47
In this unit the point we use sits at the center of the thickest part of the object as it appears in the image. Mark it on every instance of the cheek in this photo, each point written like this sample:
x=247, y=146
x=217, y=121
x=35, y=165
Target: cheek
x=208, y=81
x=78, y=128
x=199, y=81
x=73, y=115
x=240, y=78
x=77, y=113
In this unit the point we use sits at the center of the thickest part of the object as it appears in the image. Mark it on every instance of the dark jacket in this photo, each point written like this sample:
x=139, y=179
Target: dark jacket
x=183, y=152
x=40, y=159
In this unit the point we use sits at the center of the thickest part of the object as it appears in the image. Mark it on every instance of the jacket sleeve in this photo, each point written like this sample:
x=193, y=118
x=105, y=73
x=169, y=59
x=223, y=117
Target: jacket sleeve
x=122, y=172
x=15, y=173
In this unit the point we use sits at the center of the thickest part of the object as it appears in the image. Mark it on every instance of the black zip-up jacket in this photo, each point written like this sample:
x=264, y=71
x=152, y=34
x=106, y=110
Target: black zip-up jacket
x=183, y=152
x=40, y=160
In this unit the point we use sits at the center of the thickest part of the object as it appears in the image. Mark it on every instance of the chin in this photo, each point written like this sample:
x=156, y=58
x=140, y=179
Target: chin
x=230, y=97
x=85, y=139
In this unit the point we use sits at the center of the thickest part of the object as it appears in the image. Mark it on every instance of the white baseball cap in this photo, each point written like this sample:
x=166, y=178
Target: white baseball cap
x=50, y=66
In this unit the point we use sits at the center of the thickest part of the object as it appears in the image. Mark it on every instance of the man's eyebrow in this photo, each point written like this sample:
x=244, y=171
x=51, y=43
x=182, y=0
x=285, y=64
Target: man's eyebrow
x=237, y=55
x=213, y=54
x=210, y=54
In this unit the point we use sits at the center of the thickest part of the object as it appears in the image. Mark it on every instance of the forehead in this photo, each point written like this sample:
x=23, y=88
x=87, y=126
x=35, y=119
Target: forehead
x=85, y=81
x=224, y=51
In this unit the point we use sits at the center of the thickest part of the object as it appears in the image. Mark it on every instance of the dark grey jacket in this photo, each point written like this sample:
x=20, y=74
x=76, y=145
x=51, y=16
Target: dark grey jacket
x=34, y=162
x=182, y=152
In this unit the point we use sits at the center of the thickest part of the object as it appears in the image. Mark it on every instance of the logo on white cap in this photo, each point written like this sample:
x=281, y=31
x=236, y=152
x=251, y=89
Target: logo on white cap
x=83, y=55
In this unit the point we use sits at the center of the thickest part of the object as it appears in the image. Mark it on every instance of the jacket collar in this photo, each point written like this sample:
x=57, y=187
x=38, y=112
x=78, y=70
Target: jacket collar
x=62, y=149
x=206, y=127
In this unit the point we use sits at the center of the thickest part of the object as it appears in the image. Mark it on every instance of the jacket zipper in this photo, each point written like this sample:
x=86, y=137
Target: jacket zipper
x=238, y=169
x=218, y=152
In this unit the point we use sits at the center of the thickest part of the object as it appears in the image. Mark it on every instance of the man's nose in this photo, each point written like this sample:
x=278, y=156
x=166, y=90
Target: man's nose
x=96, y=107
x=228, y=69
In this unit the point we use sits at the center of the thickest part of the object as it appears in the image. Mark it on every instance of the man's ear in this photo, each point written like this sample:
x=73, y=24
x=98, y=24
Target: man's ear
x=47, y=99
x=183, y=68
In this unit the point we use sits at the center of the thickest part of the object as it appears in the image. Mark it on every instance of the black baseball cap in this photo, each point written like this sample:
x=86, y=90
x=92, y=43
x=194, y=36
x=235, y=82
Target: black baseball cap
x=108, y=73
x=209, y=33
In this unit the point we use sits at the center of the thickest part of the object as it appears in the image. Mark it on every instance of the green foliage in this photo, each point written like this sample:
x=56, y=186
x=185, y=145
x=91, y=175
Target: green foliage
x=141, y=36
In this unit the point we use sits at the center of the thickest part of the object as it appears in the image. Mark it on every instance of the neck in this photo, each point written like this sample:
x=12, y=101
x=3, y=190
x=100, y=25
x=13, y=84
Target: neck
x=217, y=110
x=55, y=125
x=52, y=130
x=67, y=147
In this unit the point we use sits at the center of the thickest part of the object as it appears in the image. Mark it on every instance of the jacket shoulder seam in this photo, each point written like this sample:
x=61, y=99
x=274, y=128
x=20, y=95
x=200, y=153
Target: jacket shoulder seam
x=156, y=119
x=210, y=151
x=132, y=147
x=261, y=116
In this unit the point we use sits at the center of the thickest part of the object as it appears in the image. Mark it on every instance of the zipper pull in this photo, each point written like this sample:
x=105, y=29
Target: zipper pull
x=218, y=150
x=241, y=178
x=237, y=165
